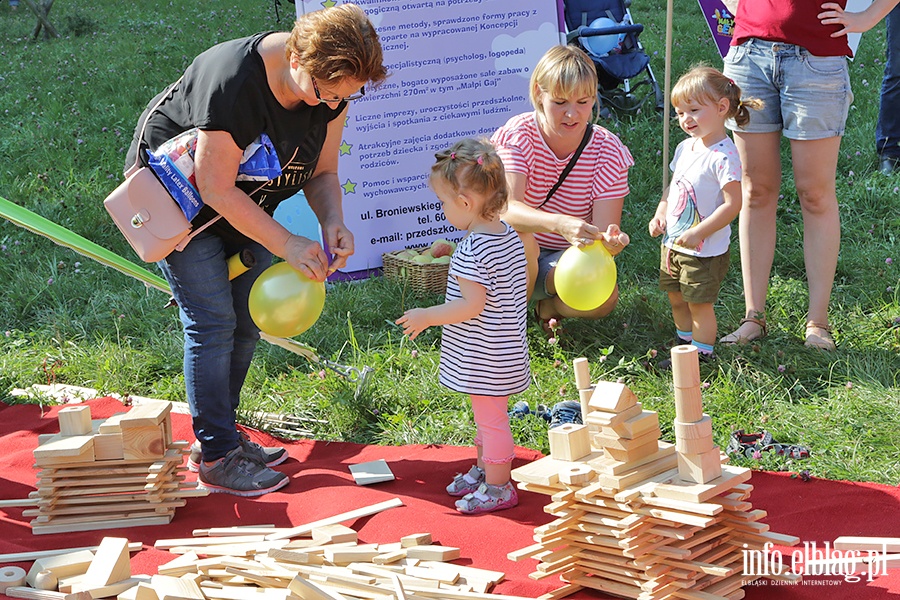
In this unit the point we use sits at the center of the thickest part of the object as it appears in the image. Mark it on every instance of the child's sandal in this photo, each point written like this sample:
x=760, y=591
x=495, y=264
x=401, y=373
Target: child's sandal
x=818, y=335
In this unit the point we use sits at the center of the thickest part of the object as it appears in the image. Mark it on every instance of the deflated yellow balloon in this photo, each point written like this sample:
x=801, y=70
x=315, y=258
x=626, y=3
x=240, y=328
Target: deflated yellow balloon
x=585, y=277
x=284, y=302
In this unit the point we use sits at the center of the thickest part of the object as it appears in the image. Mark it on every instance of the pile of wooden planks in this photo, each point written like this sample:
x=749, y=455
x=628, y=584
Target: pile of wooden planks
x=638, y=517
x=125, y=471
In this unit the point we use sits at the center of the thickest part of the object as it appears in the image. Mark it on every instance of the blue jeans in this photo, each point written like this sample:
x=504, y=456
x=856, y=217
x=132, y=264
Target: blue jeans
x=219, y=334
x=887, y=131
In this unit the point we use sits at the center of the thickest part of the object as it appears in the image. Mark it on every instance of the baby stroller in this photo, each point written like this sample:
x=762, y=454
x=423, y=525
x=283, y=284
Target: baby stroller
x=605, y=30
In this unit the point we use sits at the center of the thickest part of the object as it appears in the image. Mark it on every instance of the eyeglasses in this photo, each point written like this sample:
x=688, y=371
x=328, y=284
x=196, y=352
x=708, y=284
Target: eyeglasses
x=362, y=92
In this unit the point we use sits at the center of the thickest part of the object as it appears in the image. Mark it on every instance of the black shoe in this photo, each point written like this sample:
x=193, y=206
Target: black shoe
x=888, y=165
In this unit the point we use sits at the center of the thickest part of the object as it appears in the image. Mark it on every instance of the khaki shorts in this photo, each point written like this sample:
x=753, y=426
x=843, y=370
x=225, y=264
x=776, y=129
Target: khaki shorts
x=698, y=278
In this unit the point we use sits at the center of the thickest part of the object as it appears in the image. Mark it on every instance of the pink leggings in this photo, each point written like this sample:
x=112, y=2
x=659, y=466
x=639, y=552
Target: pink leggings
x=493, y=435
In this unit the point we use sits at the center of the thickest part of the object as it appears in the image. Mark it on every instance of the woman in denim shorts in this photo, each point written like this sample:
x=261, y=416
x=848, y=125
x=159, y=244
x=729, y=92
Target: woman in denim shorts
x=792, y=56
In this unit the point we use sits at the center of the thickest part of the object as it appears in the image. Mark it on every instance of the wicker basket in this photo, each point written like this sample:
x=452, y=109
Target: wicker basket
x=423, y=278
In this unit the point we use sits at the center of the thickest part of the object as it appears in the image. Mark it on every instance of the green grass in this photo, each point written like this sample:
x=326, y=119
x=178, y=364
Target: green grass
x=67, y=109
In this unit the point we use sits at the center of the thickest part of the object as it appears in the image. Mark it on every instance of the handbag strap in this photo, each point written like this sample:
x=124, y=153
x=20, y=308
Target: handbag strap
x=588, y=131
x=137, y=155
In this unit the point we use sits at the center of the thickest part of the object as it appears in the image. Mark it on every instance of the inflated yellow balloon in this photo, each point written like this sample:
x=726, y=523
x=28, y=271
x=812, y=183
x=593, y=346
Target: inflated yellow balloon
x=585, y=277
x=284, y=302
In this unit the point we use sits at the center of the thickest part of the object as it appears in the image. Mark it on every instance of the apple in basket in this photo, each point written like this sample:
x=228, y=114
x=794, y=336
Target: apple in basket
x=441, y=260
x=407, y=254
x=422, y=259
x=441, y=248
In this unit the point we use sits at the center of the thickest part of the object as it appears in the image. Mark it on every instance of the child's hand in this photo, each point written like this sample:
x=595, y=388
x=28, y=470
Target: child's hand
x=689, y=239
x=414, y=322
x=657, y=226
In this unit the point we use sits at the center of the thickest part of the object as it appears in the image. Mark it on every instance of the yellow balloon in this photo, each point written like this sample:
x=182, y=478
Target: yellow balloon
x=585, y=277
x=284, y=302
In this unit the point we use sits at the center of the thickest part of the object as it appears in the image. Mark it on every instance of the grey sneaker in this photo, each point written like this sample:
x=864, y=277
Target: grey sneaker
x=240, y=474
x=270, y=455
x=466, y=483
x=567, y=411
x=488, y=498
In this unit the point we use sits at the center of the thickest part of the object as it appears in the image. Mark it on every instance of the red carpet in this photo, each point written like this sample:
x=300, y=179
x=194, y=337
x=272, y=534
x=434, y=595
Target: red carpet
x=321, y=486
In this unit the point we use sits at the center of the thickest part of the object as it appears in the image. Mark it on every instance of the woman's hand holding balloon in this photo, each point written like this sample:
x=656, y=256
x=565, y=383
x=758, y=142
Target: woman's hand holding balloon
x=306, y=256
x=614, y=239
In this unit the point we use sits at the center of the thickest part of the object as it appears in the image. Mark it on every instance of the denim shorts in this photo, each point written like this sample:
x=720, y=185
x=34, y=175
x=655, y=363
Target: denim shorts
x=806, y=97
x=546, y=261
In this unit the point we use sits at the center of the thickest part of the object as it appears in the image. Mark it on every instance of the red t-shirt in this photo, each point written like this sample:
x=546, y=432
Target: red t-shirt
x=789, y=21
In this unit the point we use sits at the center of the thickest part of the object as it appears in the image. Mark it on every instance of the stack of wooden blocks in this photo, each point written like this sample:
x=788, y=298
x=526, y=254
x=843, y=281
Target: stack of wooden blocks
x=124, y=471
x=638, y=517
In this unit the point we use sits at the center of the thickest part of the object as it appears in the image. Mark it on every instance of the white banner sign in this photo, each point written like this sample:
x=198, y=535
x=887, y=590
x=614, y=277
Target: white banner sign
x=458, y=68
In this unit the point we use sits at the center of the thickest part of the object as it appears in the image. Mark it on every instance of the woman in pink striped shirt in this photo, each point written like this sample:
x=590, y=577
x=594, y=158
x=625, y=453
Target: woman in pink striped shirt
x=586, y=207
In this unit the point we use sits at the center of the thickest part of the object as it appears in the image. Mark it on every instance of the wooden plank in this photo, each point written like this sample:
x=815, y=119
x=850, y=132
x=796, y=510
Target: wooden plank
x=175, y=588
x=375, y=471
x=433, y=552
x=101, y=524
x=880, y=544
x=701, y=492
x=33, y=594
x=347, y=516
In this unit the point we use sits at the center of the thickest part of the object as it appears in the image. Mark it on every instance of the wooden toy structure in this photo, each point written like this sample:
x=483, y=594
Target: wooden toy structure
x=638, y=517
x=124, y=471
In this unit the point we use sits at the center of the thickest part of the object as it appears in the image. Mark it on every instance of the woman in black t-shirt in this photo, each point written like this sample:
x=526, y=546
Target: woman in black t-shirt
x=291, y=92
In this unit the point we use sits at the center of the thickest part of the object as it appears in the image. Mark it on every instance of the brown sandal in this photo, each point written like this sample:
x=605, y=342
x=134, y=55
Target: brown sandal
x=818, y=335
x=735, y=338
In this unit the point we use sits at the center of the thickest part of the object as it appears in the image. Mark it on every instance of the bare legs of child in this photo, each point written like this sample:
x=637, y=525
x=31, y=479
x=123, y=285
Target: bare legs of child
x=698, y=318
x=494, y=444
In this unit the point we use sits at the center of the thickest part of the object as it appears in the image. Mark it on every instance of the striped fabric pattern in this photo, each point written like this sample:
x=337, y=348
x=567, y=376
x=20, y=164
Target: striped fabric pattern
x=601, y=172
x=488, y=355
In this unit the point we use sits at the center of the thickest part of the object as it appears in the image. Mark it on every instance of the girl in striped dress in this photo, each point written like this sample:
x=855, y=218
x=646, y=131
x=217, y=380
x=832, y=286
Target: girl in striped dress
x=484, y=351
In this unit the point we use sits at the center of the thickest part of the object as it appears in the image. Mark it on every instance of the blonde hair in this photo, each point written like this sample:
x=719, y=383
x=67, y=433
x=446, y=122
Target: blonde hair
x=337, y=43
x=563, y=72
x=473, y=164
x=707, y=85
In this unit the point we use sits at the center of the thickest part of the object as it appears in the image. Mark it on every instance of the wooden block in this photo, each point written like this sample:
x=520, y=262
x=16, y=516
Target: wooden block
x=619, y=443
x=577, y=475
x=72, y=447
x=61, y=565
x=432, y=552
x=46, y=580
x=344, y=556
x=700, y=468
x=186, y=563
x=112, y=589
x=582, y=373
x=111, y=425
x=612, y=397
x=635, y=453
x=606, y=464
x=879, y=544
x=108, y=446
x=375, y=471
x=635, y=426
x=111, y=563
x=334, y=534
x=569, y=441
x=10, y=577
x=32, y=594
x=307, y=590
x=584, y=398
x=693, y=430
x=142, y=591
x=149, y=413
x=685, y=367
x=75, y=420
x=175, y=588
x=688, y=404
x=695, y=446
x=415, y=539
x=389, y=557
x=142, y=442
x=608, y=419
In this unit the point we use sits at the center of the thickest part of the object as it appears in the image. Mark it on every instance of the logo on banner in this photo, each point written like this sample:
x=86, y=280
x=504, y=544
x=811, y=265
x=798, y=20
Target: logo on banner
x=720, y=21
